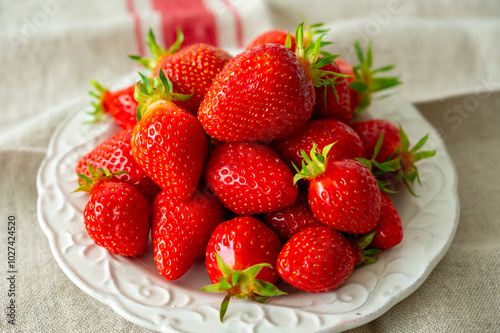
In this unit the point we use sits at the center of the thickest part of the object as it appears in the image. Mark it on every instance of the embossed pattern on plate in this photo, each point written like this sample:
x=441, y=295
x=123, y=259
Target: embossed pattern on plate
x=136, y=291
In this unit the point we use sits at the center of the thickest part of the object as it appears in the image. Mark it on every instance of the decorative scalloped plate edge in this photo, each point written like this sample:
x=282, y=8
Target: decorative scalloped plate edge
x=368, y=293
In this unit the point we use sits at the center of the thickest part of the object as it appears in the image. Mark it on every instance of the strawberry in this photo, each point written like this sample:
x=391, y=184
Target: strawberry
x=240, y=257
x=333, y=104
x=120, y=104
x=322, y=132
x=249, y=178
x=264, y=93
x=366, y=80
x=288, y=221
x=407, y=157
x=316, y=260
x=389, y=229
x=400, y=161
x=181, y=230
x=342, y=194
x=115, y=154
x=276, y=36
x=346, y=68
x=191, y=69
x=117, y=216
x=369, y=131
x=168, y=142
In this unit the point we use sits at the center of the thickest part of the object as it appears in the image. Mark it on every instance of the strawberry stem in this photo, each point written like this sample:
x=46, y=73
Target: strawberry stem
x=312, y=30
x=157, y=51
x=97, y=177
x=98, y=109
x=151, y=90
x=242, y=284
x=309, y=58
x=313, y=164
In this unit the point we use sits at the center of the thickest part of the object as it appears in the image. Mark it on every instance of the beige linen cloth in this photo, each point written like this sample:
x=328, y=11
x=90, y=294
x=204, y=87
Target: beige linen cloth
x=447, y=54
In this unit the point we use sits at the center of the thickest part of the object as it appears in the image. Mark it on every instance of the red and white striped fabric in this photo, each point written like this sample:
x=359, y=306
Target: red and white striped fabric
x=216, y=22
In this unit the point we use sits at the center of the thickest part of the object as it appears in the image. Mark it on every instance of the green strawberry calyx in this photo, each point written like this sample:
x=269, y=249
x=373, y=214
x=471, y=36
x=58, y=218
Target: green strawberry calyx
x=313, y=164
x=309, y=58
x=407, y=157
x=98, y=94
x=97, y=177
x=242, y=284
x=157, y=51
x=312, y=30
x=151, y=90
x=367, y=80
x=380, y=169
x=362, y=243
x=402, y=163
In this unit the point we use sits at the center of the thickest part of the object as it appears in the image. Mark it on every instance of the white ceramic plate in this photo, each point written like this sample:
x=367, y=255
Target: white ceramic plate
x=135, y=290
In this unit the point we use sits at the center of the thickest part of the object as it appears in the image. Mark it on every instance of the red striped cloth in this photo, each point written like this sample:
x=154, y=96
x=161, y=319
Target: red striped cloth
x=196, y=18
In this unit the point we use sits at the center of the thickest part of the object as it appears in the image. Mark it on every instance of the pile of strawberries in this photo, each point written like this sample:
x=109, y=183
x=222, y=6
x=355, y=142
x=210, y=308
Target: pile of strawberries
x=253, y=162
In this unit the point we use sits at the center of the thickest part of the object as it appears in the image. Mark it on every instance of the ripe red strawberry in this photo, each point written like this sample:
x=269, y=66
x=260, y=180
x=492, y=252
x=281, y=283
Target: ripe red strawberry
x=316, y=260
x=115, y=154
x=276, y=36
x=264, y=93
x=342, y=194
x=400, y=160
x=168, y=142
x=117, y=216
x=322, y=132
x=407, y=157
x=332, y=104
x=290, y=220
x=369, y=131
x=389, y=229
x=120, y=104
x=240, y=259
x=191, y=69
x=249, y=178
x=181, y=230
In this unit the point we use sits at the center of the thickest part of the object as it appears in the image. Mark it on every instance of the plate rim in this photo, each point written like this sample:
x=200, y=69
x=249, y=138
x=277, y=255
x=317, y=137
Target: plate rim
x=119, y=309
